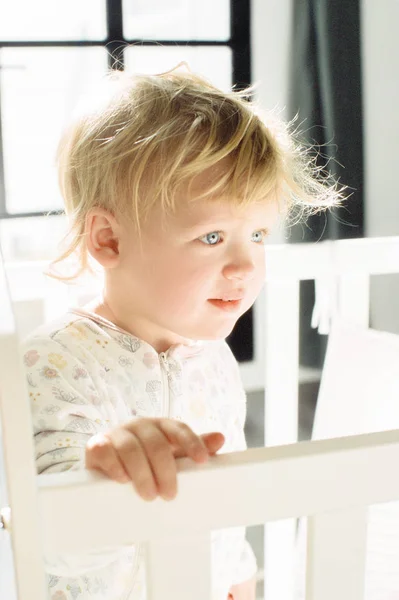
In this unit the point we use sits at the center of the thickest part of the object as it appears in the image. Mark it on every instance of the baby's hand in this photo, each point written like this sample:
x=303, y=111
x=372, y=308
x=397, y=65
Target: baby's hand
x=243, y=591
x=144, y=451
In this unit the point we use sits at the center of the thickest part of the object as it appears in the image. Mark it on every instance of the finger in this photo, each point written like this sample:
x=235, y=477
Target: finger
x=161, y=459
x=135, y=462
x=213, y=441
x=185, y=442
x=101, y=455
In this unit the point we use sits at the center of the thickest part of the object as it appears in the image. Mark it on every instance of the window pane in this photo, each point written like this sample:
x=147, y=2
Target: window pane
x=177, y=19
x=39, y=90
x=19, y=244
x=52, y=20
x=215, y=62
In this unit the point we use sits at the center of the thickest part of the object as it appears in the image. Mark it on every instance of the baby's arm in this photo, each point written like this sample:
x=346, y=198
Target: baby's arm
x=67, y=408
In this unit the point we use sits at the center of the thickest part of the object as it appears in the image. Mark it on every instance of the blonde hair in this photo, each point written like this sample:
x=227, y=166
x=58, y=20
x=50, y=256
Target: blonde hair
x=143, y=136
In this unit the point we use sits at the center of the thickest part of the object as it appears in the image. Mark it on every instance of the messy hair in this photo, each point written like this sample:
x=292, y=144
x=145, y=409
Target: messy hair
x=141, y=137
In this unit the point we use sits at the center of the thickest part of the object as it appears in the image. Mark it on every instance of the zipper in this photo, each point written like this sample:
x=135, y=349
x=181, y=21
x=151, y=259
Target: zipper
x=135, y=569
x=165, y=372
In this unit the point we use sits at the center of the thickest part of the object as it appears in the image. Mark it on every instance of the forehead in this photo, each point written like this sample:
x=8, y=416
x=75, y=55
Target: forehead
x=222, y=211
x=192, y=209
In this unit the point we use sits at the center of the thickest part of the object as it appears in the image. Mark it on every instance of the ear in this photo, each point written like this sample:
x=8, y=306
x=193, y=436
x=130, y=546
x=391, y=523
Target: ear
x=102, y=237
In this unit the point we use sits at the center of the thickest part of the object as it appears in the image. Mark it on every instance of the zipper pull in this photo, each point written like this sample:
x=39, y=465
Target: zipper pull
x=164, y=361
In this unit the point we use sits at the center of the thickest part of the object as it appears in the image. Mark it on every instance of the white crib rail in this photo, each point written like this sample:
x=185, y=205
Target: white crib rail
x=328, y=467
x=349, y=264
x=18, y=454
x=276, y=475
x=272, y=475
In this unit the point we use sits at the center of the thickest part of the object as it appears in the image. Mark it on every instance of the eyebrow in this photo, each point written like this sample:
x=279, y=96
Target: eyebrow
x=214, y=226
x=202, y=224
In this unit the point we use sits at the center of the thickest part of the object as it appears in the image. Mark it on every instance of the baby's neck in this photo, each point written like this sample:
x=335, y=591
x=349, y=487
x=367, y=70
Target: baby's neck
x=161, y=341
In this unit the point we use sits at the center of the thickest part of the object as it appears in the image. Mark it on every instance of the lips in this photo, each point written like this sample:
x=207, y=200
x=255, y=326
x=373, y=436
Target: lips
x=230, y=297
x=226, y=305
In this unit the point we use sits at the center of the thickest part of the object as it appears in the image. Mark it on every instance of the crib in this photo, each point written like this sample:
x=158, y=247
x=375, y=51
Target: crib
x=345, y=466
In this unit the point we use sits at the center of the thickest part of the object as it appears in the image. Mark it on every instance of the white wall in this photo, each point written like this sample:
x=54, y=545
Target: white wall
x=271, y=47
x=380, y=22
x=381, y=121
x=271, y=24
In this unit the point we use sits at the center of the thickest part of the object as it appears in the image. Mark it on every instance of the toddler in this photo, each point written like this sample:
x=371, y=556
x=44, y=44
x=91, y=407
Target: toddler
x=171, y=187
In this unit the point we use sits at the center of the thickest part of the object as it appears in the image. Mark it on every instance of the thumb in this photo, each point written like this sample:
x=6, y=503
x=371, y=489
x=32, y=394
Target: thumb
x=213, y=441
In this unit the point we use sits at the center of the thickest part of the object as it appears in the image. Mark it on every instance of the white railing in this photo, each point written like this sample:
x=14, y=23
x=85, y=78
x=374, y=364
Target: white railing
x=343, y=268
x=273, y=492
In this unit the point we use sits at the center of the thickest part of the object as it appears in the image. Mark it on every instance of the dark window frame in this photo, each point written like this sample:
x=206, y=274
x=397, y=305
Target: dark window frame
x=241, y=339
x=115, y=41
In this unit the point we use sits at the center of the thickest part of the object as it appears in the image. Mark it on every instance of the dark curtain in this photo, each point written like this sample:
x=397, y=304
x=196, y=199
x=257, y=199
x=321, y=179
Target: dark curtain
x=326, y=92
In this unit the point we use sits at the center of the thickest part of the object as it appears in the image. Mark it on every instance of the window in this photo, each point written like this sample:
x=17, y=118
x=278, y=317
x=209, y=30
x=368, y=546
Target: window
x=50, y=52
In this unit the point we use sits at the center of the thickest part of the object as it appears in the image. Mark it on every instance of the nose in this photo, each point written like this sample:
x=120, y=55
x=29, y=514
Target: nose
x=242, y=268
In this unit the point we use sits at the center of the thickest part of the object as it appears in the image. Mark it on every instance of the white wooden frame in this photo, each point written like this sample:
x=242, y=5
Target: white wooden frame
x=349, y=265
x=271, y=475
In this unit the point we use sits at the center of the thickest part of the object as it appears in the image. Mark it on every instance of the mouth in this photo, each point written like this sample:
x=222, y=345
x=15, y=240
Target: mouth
x=226, y=305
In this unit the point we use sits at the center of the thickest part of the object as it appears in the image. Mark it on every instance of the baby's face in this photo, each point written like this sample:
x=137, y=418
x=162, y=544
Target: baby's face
x=207, y=251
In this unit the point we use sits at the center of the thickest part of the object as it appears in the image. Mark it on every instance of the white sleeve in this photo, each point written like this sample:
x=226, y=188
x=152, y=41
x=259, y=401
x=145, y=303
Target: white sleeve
x=68, y=406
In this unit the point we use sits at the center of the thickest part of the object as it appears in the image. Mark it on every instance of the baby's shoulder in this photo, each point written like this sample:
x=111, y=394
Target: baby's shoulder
x=65, y=333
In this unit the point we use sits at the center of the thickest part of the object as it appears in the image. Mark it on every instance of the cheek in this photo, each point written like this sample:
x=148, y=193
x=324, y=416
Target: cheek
x=260, y=261
x=190, y=277
x=262, y=268
x=177, y=274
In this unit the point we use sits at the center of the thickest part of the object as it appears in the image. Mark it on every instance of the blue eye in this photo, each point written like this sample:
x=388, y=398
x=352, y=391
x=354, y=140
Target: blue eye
x=212, y=238
x=263, y=234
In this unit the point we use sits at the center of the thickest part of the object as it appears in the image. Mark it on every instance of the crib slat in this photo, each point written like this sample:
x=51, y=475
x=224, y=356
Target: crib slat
x=281, y=422
x=281, y=362
x=337, y=542
x=181, y=566
x=336, y=558
x=19, y=463
x=279, y=544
